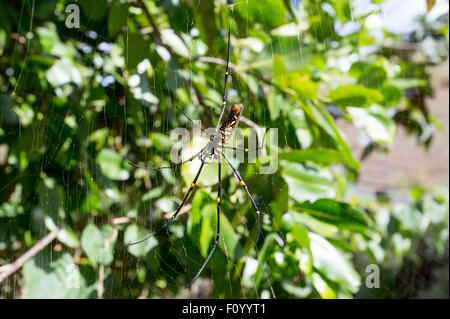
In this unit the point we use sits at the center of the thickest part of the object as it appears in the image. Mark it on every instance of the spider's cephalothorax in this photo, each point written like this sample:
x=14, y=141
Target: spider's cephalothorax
x=213, y=151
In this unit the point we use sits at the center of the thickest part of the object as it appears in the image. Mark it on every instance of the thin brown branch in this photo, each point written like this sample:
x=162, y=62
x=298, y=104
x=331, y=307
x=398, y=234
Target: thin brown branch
x=408, y=46
x=213, y=60
x=101, y=276
x=7, y=270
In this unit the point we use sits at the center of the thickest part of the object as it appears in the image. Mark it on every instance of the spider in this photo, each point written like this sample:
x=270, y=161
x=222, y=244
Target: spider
x=213, y=151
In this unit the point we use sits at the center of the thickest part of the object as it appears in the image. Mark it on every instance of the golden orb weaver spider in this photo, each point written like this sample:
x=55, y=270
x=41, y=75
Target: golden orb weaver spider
x=211, y=152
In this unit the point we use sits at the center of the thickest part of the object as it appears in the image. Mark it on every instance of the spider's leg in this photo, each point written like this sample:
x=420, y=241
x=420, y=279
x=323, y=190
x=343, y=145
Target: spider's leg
x=227, y=74
x=176, y=212
x=246, y=150
x=160, y=167
x=216, y=243
x=242, y=183
x=193, y=123
x=171, y=166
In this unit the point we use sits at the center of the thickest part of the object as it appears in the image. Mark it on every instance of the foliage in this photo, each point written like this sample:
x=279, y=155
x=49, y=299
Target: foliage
x=77, y=104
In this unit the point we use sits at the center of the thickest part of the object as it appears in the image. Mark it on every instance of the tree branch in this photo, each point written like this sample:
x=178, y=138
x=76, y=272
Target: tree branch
x=7, y=270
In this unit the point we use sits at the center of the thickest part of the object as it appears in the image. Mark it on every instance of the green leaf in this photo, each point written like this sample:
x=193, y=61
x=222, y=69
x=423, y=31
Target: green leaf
x=54, y=276
x=94, y=10
x=404, y=83
x=336, y=213
x=300, y=234
x=332, y=264
x=380, y=128
x=303, y=85
x=280, y=74
x=315, y=225
x=6, y=112
x=161, y=142
x=98, y=244
x=392, y=95
x=51, y=198
x=207, y=229
x=275, y=102
x=13, y=207
x=288, y=48
x=269, y=244
x=343, y=10
x=135, y=233
x=307, y=184
x=117, y=18
x=355, y=95
x=66, y=235
x=373, y=76
x=63, y=72
x=200, y=200
x=318, y=156
x=174, y=42
x=2, y=40
x=290, y=29
x=272, y=12
x=295, y=290
x=323, y=119
x=229, y=240
x=279, y=204
x=324, y=290
x=111, y=165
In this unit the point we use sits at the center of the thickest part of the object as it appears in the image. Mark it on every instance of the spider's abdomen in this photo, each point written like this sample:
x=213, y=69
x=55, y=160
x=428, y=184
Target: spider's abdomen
x=213, y=150
x=231, y=122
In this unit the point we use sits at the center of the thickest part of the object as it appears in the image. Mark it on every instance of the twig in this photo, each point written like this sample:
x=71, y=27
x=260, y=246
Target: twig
x=409, y=46
x=7, y=270
x=213, y=60
x=101, y=276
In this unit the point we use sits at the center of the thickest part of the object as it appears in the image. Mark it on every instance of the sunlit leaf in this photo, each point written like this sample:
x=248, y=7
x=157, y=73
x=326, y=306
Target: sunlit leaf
x=97, y=245
x=307, y=184
x=332, y=264
x=378, y=126
x=300, y=234
x=54, y=276
x=279, y=72
x=318, y=156
x=336, y=213
x=112, y=165
x=355, y=95
x=65, y=235
x=208, y=229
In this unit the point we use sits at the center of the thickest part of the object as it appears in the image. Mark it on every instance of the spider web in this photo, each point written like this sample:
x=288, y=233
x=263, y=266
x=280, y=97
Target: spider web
x=173, y=249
